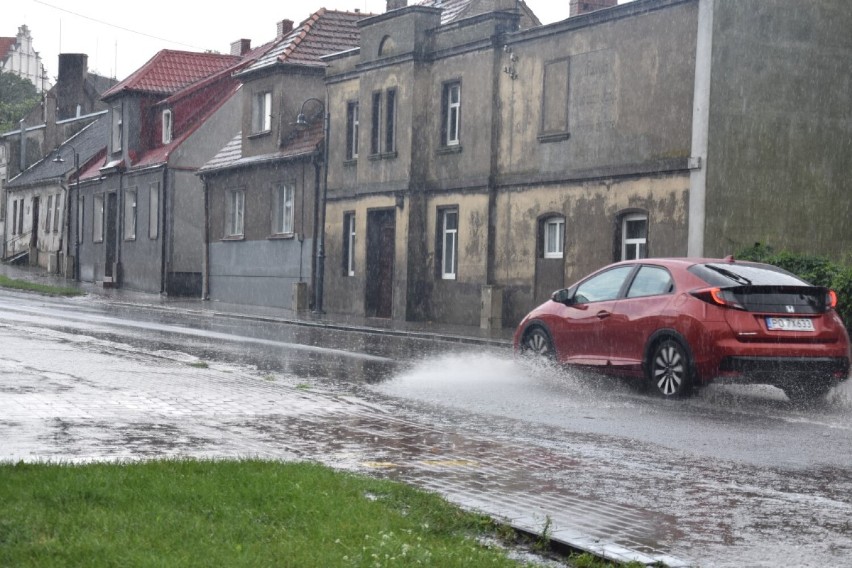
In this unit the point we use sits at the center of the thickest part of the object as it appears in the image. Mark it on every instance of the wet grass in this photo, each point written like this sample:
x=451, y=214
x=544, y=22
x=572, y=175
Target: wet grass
x=229, y=513
x=15, y=284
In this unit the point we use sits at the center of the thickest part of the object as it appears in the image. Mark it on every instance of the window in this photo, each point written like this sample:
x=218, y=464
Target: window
x=650, y=281
x=283, y=221
x=634, y=236
x=449, y=220
x=15, y=217
x=81, y=207
x=603, y=287
x=261, y=120
x=167, y=126
x=98, y=219
x=349, y=244
x=554, y=103
x=383, y=134
x=130, y=214
x=47, y=219
x=56, y=214
x=390, y=121
x=451, y=114
x=352, y=131
x=236, y=210
x=21, y=217
x=154, y=210
x=553, y=237
x=117, y=128
x=376, y=129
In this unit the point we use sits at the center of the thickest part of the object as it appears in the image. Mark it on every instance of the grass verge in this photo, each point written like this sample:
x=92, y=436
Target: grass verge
x=14, y=284
x=229, y=513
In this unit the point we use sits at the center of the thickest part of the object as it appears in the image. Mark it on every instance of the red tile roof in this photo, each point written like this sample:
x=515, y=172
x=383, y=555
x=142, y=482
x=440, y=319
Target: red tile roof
x=6, y=44
x=324, y=32
x=170, y=71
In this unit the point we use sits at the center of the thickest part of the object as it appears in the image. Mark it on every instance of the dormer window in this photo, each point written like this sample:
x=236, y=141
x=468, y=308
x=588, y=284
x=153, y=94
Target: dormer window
x=117, y=128
x=261, y=120
x=167, y=126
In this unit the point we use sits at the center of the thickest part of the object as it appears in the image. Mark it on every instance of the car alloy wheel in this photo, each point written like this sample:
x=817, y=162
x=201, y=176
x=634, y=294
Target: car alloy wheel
x=537, y=342
x=669, y=370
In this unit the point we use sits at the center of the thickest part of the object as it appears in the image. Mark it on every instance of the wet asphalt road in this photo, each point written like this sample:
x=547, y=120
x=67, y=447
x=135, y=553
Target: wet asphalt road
x=732, y=477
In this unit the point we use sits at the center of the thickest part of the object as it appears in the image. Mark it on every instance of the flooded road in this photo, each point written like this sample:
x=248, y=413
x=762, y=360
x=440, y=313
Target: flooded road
x=736, y=476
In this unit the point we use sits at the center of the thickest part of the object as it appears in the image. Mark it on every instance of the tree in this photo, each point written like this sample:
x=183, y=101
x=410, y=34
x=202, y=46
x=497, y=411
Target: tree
x=17, y=97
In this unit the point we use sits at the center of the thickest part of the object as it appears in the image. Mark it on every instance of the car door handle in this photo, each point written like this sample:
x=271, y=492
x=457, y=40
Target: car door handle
x=603, y=314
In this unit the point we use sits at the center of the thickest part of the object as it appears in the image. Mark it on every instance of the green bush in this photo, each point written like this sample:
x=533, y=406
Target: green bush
x=817, y=270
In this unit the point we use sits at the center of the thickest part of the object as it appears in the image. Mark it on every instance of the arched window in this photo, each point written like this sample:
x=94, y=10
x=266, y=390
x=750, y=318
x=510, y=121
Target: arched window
x=386, y=46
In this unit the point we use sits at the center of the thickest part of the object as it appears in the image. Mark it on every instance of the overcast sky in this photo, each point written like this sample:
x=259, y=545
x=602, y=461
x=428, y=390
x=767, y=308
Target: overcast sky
x=119, y=37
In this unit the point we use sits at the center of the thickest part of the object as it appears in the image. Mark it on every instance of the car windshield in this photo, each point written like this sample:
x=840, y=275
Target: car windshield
x=744, y=274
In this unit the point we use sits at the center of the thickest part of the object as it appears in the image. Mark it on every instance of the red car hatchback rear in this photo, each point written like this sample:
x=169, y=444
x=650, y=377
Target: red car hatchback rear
x=680, y=323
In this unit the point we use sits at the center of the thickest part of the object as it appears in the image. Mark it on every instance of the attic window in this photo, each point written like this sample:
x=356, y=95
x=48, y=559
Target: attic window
x=386, y=46
x=167, y=126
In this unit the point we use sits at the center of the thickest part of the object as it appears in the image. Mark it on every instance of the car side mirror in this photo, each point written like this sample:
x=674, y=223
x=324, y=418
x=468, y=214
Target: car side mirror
x=563, y=296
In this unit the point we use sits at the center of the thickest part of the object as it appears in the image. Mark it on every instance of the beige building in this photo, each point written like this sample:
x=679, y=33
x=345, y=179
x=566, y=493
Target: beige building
x=476, y=165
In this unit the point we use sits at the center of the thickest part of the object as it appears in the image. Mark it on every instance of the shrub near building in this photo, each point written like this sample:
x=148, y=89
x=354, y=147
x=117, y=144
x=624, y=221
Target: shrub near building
x=817, y=270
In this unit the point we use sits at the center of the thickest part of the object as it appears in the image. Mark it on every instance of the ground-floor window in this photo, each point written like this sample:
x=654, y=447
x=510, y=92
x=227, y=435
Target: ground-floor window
x=130, y=214
x=98, y=219
x=349, y=244
x=448, y=219
x=236, y=212
x=154, y=210
x=48, y=218
x=283, y=211
x=634, y=236
x=553, y=237
x=56, y=213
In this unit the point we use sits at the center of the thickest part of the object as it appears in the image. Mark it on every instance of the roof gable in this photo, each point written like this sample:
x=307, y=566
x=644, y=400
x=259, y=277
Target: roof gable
x=6, y=44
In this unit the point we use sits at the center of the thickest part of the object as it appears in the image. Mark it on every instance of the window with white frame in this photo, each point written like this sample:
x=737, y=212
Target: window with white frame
x=236, y=212
x=449, y=229
x=352, y=125
x=553, y=237
x=56, y=213
x=634, y=236
x=49, y=217
x=98, y=218
x=167, y=126
x=154, y=210
x=283, y=221
x=349, y=244
x=262, y=112
x=130, y=214
x=117, y=128
x=451, y=114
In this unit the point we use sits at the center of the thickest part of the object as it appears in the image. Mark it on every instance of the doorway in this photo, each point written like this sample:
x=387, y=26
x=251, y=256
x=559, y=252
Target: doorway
x=381, y=250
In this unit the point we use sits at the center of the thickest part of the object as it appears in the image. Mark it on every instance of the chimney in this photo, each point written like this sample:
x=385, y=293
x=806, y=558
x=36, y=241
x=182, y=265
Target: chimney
x=580, y=7
x=71, y=85
x=240, y=47
x=396, y=5
x=284, y=28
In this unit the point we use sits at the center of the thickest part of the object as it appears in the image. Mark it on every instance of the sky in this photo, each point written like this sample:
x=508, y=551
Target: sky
x=120, y=37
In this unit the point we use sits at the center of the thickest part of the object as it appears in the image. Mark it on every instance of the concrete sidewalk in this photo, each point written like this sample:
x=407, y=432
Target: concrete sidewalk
x=422, y=330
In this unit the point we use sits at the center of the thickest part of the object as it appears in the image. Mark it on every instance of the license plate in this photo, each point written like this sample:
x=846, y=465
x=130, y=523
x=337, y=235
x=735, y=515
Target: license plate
x=790, y=324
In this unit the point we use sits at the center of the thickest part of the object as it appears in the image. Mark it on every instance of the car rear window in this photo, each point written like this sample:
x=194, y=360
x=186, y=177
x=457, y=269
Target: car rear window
x=745, y=274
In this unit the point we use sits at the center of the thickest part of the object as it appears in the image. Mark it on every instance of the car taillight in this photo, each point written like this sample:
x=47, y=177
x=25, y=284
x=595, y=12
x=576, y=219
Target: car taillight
x=831, y=299
x=718, y=297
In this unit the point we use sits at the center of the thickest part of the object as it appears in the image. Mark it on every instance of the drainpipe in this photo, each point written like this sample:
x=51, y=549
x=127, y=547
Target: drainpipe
x=700, y=130
x=205, y=255
x=164, y=226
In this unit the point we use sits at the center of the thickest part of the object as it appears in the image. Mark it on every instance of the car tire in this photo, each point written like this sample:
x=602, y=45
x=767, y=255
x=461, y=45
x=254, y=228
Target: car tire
x=670, y=370
x=537, y=343
x=808, y=392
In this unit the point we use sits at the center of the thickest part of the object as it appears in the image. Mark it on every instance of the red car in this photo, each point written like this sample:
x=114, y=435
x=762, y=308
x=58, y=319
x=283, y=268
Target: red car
x=680, y=323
